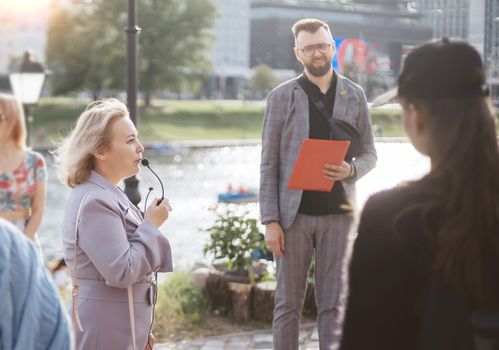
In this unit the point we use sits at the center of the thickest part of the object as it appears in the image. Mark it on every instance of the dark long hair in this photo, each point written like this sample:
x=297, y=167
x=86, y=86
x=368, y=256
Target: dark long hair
x=465, y=164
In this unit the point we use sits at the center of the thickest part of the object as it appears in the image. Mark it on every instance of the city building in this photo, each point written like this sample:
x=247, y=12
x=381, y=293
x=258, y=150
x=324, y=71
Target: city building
x=476, y=21
x=371, y=37
x=230, y=53
x=447, y=18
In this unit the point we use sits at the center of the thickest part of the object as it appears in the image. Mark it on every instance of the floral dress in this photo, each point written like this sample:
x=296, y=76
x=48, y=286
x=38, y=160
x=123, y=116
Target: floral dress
x=17, y=187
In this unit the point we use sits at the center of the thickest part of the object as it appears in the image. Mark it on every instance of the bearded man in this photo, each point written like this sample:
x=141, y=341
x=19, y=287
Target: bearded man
x=301, y=225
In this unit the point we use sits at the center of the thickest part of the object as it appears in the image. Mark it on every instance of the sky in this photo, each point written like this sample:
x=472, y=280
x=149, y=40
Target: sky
x=22, y=7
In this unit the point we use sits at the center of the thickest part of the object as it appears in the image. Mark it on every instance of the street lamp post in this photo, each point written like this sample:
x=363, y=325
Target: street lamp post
x=132, y=31
x=26, y=79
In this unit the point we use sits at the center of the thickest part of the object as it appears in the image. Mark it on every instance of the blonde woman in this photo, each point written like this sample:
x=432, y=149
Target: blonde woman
x=111, y=251
x=23, y=174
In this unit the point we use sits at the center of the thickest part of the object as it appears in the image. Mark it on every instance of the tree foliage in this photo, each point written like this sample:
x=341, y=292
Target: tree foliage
x=263, y=80
x=86, y=48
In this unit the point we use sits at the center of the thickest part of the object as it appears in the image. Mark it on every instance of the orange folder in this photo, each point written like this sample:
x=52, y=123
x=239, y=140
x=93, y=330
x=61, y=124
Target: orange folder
x=314, y=154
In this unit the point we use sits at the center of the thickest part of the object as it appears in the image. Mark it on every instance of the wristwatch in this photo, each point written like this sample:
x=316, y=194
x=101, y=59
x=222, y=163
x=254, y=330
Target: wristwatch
x=353, y=170
x=268, y=222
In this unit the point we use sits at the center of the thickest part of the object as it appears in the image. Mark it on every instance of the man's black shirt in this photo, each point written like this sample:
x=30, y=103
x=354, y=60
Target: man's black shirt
x=314, y=202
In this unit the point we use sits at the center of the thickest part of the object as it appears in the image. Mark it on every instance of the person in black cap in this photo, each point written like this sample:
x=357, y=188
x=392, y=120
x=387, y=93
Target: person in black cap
x=424, y=273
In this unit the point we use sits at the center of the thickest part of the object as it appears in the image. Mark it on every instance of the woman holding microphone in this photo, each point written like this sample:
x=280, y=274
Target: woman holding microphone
x=110, y=249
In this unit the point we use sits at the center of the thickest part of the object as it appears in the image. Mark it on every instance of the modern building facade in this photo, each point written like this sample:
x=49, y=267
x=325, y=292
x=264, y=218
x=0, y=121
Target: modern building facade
x=371, y=37
x=447, y=18
x=476, y=21
x=491, y=44
x=230, y=53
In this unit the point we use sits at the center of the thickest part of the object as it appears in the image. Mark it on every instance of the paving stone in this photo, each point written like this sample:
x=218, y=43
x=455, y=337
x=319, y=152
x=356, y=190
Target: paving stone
x=263, y=345
x=312, y=344
x=315, y=334
x=218, y=344
x=249, y=340
x=164, y=347
x=304, y=335
x=196, y=342
x=231, y=346
x=263, y=337
x=239, y=341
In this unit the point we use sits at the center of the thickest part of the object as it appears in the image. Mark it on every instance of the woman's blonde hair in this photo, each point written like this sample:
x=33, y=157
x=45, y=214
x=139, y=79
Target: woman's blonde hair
x=12, y=111
x=74, y=156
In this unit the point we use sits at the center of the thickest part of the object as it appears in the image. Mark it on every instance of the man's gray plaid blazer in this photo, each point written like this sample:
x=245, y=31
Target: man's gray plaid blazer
x=286, y=125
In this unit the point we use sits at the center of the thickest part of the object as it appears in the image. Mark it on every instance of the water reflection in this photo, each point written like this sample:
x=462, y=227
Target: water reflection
x=194, y=177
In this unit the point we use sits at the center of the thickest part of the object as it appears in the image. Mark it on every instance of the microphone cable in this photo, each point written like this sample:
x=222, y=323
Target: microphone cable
x=145, y=162
x=145, y=202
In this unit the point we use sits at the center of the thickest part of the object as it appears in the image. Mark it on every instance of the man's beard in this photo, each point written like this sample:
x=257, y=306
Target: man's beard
x=318, y=71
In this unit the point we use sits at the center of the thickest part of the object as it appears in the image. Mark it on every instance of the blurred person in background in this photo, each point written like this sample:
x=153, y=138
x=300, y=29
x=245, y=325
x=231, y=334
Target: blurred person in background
x=23, y=174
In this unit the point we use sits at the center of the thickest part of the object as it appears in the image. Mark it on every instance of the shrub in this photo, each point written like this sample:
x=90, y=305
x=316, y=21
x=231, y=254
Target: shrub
x=233, y=238
x=180, y=304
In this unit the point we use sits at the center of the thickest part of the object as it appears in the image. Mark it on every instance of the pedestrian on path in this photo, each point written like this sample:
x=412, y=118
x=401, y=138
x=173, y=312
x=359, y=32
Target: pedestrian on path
x=425, y=268
x=110, y=249
x=305, y=224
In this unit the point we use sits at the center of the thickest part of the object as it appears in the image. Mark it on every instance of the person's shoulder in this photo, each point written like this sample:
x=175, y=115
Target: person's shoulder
x=392, y=201
x=35, y=157
x=350, y=85
x=88, y=192
x=284, y=89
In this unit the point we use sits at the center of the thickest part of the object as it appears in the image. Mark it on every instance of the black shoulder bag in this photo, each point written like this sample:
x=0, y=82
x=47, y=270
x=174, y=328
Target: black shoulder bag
x=340, y=129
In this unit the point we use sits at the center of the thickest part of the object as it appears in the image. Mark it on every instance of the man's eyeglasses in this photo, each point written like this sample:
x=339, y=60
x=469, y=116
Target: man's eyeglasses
x=310, y=49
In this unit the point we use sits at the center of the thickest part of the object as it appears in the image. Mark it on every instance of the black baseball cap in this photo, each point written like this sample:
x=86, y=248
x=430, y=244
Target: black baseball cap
x=439, y=69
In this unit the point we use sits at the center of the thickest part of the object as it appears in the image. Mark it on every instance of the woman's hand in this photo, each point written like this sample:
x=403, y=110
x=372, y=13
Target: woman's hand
x=157, y=214
x=151, y=341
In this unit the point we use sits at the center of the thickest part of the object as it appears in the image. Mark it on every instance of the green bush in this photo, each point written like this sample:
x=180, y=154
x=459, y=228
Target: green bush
x=180, y=304
x=233, y=238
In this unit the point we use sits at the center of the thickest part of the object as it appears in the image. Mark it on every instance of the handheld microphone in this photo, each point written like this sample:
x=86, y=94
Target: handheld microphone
x=145, y=162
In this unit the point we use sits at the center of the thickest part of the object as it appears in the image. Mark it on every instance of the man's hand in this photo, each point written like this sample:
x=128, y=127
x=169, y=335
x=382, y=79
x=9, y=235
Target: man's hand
x=274, y=238
x=337, y=172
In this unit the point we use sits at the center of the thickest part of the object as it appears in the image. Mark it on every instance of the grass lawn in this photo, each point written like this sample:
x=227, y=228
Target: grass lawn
x=167, y=120
x=171, y=120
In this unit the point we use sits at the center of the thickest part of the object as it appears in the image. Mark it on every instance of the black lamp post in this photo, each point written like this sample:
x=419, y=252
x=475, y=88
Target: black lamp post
x=26, y=79
x=132, y=31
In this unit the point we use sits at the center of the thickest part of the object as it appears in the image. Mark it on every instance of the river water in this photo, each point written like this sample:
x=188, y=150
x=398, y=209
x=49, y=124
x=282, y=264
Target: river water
x=193, y=177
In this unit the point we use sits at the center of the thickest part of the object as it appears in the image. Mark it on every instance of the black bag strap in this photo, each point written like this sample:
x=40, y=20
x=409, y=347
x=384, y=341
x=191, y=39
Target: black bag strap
x=338, y=129
x=316, y=100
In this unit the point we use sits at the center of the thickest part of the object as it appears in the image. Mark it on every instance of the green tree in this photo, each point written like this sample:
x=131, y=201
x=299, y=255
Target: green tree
x=174, y=43
x=262, y=80
x=85, y=47
x=86, y=44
